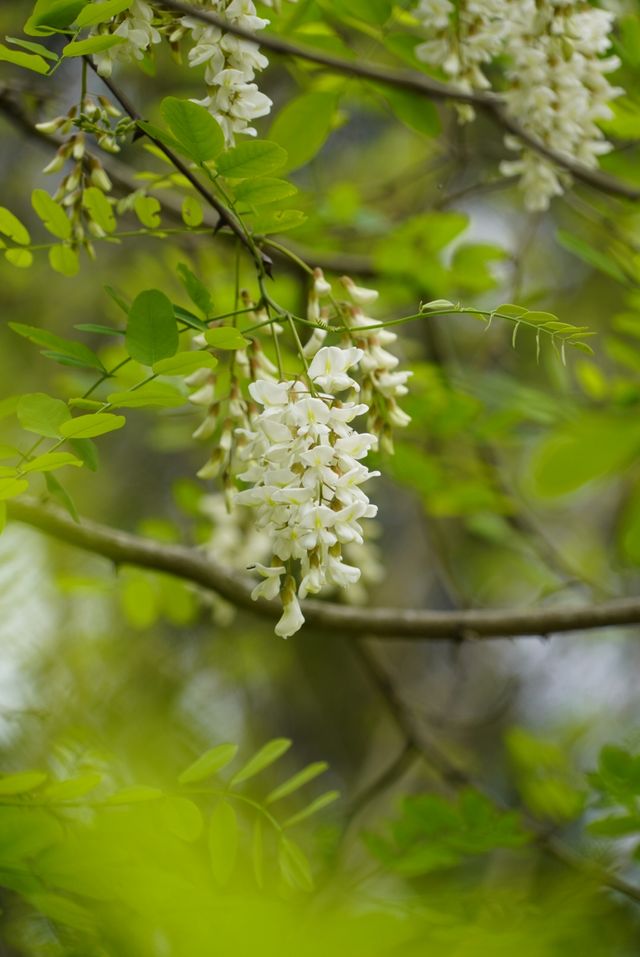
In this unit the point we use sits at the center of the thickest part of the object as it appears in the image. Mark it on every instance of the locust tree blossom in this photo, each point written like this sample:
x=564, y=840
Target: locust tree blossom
x=557, y=60
x=138, y=33
x=303, y=463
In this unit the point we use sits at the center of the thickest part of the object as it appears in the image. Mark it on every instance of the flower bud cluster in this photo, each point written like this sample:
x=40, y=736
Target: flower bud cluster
x=86, y=170
x=302, y=459
x=556, y=64
x=382, y=382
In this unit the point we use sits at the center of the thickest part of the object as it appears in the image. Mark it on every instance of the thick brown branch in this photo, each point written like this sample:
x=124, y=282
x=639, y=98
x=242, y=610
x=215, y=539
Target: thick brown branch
x=394, y=623
x=414, y=82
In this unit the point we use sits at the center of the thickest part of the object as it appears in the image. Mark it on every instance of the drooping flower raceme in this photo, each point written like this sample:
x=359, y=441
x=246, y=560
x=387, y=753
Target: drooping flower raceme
x=556, y=55
x=137, y=31
x=304, y=466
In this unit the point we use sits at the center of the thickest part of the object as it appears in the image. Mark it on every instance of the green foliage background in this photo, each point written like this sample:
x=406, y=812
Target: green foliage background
x=517, y=483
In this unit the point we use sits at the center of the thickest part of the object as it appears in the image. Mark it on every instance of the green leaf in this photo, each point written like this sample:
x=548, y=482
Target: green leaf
x=147, y=210
x=134, y=795
x=57, y=491
x=152, y=330
x=97, y=44
x=101, y=12
x=32, y=47
x=184, y=363
x=192, y=214
x=89, y=426
x=42, y=414
x=303, y=126
x=12, y=487
x=50, y=461
x=61, y=910
x=22, y=258
x=278, y=221
x=593, y=257
x=86, y=450
x=196, y=290
x=257, y=851
x=225, y=337
x=153, y=394
x=255, y=158
x=99, y=208
x=98, y=329
x=196, y=130
x=21, y=783
x=266, y=756
x=294, y=865
x=11, y=226
x=161, y=135
x=51, y=15
x=413, y=110
x=209, y=764
x=223, y=841
x=589, y=448
x=182, y=817
x=371, y=11
x=61, y=791
x=261, y=192
x=64, y=260
x=318, y=805
x=298, y=780
x=52, y=215
x=28, y=61
x=76, y=350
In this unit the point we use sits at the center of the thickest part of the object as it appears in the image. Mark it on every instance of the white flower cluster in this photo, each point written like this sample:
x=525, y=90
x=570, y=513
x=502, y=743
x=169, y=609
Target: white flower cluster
x=303, y=462
x=557, y=72
x=136, y=29
x=231, y=64
x=382, y=382
x=559, y=92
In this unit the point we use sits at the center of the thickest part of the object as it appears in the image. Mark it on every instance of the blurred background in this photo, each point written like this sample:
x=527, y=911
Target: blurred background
x=515, y=485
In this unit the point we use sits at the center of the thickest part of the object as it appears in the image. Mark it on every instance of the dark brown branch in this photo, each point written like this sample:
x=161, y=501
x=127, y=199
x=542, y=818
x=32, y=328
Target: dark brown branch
x=413, y=82
x=393, y=623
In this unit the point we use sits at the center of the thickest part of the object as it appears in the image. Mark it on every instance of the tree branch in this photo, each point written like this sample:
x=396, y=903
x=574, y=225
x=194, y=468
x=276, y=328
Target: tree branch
x=413, y=82
x=394, y=623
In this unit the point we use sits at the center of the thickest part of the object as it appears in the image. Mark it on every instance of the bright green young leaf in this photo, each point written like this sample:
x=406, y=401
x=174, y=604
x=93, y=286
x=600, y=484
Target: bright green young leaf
x=225, y=337
x=184, y=363
x=303, y=126
x=99, y=208
x=32, y=47
x=153, y=394
x=100, y=12
x=192, y=213
x=42, y=414
x=56, y=344
x=263, y=191
x=52, y=215
x=298, y=781
x=22, y=258
x=415, y=111
x=28, y=61
x=60, y=791
x=209, y=764
x=278, y=221
x=21, y=783
x=371, y=11
x=87, y=451
x=196, y=130
x=58, y=492
x=148, y=210
x=294, y=865
x=12, y=487
x=11, y=226
x=318, y=805
x=51, y=15
x=196, y=289
x=254, y=158
x=89, y=426
x=257, y=851
x=135, y=795
x=95, y=44
x=266, y=756
x=223, y=842
x=152, y=330
x=50, y=461
x=64, y=259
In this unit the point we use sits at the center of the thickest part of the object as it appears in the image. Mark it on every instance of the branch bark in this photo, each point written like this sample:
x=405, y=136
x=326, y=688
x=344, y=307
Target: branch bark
x=124, y=548
x=413, y=82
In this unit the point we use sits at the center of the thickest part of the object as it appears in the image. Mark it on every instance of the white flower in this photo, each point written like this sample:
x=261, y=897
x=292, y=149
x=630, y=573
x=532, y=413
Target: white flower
x=270, y=587
x=328, y=369
x=136, y=28
x=292, y=619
